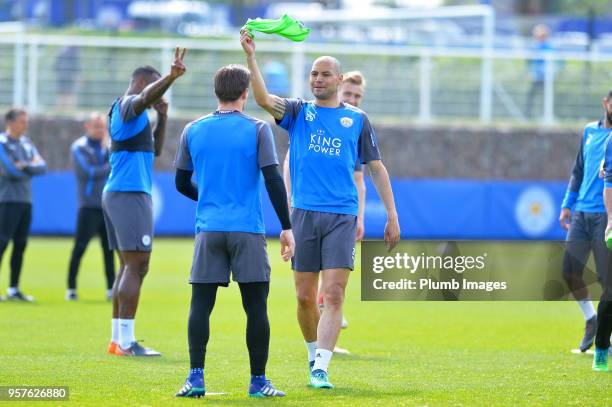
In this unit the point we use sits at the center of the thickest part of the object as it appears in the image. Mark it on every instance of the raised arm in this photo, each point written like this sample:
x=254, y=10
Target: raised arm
x=159, y=133
x=380, y=178
x=273, y=104
x=152, y=93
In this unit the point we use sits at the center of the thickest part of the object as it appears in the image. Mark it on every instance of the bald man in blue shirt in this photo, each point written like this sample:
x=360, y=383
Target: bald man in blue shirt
x=326, y=138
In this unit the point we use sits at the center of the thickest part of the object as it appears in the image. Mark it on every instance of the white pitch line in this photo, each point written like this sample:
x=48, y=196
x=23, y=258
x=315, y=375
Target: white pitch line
x=578, y=352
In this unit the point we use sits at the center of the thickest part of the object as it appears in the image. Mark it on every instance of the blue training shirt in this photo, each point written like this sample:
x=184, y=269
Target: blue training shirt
x=131, y=171
x=325, y=144
x=227, y=149
x=585, y=188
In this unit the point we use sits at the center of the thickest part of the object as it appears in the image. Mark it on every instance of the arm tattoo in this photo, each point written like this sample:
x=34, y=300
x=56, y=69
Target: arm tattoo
x=279, y=107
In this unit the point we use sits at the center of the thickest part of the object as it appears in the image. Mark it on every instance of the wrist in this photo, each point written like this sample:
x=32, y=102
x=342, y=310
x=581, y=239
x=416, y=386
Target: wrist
x=392, y=217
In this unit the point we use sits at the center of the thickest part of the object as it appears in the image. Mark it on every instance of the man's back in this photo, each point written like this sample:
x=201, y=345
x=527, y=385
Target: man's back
x=226, y=150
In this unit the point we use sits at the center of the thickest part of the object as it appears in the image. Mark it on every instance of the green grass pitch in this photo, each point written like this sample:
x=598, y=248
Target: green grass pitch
x=403, y=353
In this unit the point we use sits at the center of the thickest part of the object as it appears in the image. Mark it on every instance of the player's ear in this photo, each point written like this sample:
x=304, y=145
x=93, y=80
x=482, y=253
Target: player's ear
x=245, y=94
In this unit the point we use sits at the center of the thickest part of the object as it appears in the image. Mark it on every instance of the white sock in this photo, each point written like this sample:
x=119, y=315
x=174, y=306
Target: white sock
x=126, y=333
x=322, y=358
x=587, y=308
x=312, y=347
x=115, y=330
x=11, y=290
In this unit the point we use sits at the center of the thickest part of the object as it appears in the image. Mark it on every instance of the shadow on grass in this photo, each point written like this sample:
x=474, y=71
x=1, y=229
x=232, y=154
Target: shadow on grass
x=339, y=393
x=360, y=358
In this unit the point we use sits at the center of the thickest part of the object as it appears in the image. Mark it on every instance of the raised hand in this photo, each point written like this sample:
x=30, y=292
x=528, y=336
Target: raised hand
x=178, y=67
x=248, y=45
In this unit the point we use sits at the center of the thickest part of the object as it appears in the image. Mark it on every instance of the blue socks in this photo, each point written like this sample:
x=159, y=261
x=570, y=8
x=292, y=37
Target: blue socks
x=197, y=372
x=258, y=380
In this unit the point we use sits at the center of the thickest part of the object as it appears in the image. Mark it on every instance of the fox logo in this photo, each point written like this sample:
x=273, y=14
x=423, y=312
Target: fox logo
x=346, y=122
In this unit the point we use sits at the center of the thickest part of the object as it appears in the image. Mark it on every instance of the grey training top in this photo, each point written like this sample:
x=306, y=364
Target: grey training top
x=15, y=183
x=90, y=160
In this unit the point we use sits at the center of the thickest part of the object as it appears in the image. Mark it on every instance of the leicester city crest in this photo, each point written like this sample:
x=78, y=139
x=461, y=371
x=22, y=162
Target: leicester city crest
x=346, y=122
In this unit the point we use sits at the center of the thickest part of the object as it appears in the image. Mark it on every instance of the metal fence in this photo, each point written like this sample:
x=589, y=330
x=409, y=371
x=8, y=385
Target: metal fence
x=52, y=74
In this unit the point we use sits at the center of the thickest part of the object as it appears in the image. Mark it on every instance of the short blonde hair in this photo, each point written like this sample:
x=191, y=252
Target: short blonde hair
x=354, y=77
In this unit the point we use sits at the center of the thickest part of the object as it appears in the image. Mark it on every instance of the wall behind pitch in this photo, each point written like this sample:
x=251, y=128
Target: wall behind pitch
x=408, y=150
x=428, y=209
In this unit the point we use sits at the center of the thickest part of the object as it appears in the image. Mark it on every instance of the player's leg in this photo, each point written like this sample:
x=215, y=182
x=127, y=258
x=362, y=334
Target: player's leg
x=251, y=269
x=577, y=249
x=307, y=310
x=604, y=330
x=128, y=293
x=20, y=241
x=8, y=222
x=334, y=284
x=210, y=268
x=131, y=216
x=107, y=207
x=338, y=257
x=203, y=297
x=254, y=301
x=306, y=264
x=604, y=320
x=107, y=253
x=86, y=228
x=114, y=343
